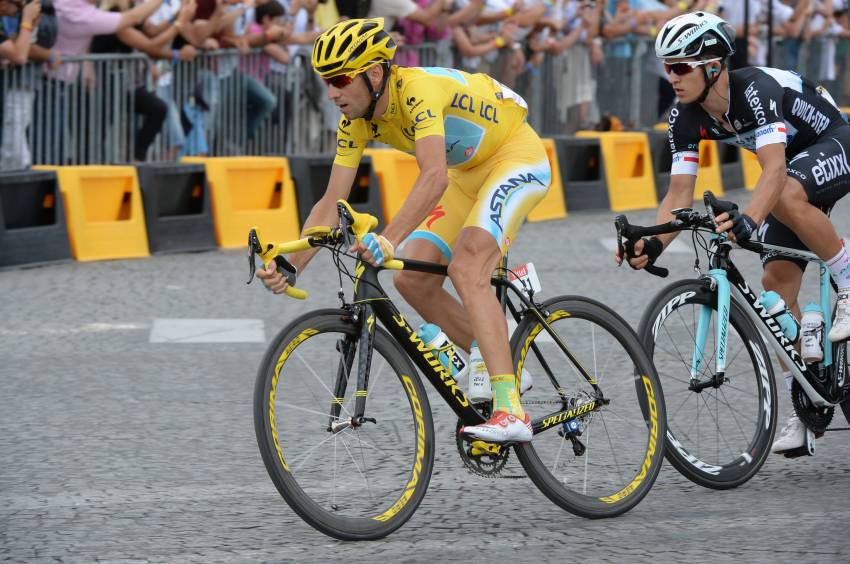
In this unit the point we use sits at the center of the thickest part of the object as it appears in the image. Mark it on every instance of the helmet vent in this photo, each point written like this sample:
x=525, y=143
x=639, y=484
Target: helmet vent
x=345, y=43
x=681, y=31
x=357, y=51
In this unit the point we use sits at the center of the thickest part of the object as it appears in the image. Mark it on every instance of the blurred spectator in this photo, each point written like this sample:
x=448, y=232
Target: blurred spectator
x=16, y=36
x=78, y=22
x=181, y=48
x=152, y=109
x=570, y=28
x=227, y=86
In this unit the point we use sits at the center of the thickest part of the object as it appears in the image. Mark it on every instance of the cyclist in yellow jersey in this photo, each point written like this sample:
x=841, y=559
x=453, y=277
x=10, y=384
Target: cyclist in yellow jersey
x=482, y=170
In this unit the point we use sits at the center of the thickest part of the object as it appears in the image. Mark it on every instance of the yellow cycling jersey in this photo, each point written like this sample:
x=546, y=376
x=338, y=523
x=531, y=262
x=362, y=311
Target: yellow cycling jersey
x=473, y=112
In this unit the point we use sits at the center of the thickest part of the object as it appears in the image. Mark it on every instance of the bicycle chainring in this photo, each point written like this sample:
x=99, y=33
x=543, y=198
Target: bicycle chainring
x=815, y=418
x=481, y=458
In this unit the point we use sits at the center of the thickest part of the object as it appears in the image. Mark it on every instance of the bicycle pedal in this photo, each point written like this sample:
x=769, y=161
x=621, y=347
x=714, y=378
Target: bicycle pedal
x=797, y=452
x=479, y=448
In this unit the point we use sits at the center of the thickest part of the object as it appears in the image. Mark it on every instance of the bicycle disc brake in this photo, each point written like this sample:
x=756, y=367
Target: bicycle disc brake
x=815, y=418
x=480, y=457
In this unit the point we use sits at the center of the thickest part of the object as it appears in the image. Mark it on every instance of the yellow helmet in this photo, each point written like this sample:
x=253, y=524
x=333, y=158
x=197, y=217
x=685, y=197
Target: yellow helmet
x=351, y=46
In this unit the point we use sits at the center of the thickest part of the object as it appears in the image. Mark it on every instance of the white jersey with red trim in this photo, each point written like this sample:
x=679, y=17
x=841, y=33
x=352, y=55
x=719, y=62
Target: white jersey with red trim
x=766, y=106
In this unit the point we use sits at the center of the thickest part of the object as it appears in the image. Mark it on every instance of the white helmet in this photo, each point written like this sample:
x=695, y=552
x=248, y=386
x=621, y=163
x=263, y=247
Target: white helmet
x=689, y=34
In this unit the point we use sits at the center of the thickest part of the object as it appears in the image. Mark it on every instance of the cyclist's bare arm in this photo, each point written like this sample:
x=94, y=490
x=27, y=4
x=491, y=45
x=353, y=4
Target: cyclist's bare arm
x=770, y=183
x=323, y=213
x=429, y=187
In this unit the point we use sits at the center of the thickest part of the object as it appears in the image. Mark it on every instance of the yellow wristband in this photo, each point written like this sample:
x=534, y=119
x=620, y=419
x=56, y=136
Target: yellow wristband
x=499, y=42
x=26, y=26
x=509, y=12
x=683, y=5
x=653, y=31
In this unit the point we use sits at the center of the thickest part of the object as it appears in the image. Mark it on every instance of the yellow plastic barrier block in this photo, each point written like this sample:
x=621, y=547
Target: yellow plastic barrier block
x=397, y=173
x=752, y=169
x=552, y=206
x=628, y=169
x=709, y=175
x=104, y=212
x=251, y=191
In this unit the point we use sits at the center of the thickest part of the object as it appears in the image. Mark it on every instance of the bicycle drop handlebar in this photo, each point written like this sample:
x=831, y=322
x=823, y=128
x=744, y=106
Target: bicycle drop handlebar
x=685, y=219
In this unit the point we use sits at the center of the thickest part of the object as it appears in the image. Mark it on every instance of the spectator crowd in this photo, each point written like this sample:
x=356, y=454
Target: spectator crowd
x=215, y=76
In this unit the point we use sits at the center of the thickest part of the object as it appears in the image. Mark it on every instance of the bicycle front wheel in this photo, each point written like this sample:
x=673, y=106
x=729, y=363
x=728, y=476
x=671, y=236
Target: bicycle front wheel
x=716, y=437
x=621, y=439
x=355, y=482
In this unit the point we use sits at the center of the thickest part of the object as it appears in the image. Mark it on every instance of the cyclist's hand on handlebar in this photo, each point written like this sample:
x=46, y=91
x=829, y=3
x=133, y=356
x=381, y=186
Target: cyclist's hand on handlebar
x=742, y=226
x=374, y=249
x=275, y=281
x=644, y=253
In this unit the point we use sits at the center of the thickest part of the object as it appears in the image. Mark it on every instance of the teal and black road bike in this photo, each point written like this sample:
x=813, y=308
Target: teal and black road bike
x=709, y=338
x=344, y=424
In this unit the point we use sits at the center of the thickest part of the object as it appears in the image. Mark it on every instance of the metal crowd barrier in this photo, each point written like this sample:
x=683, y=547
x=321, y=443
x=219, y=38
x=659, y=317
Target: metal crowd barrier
x=89, y=111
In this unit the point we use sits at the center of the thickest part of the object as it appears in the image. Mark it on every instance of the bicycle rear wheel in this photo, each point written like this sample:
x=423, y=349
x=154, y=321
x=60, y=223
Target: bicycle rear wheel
x=360, y=482
x=718, y=437
x=624, y=450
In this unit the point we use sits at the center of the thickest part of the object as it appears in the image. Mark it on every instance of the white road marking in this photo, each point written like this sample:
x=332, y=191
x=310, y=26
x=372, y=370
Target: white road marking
x=208, y=331
x=87, y=328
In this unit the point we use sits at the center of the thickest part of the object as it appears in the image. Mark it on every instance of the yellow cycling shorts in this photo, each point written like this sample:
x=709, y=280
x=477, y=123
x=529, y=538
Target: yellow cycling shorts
x=496, y=195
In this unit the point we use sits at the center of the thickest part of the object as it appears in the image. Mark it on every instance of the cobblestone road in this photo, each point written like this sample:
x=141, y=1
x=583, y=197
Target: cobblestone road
x=115, y=448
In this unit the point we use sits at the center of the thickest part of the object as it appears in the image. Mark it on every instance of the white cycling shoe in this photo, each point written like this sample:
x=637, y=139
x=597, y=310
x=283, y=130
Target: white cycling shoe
x=841, y=324
x=791, y=437
x=502, y=427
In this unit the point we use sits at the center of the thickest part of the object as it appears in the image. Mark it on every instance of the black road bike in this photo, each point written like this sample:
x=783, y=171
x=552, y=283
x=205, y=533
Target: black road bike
x=709, y=338
x=344, y=424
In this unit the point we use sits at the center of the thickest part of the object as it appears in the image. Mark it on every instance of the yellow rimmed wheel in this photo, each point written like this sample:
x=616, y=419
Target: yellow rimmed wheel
x=597, y=449
x=351, y=481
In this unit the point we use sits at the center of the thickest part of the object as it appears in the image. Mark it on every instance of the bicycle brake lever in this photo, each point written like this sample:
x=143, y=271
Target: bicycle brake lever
x=253, y=249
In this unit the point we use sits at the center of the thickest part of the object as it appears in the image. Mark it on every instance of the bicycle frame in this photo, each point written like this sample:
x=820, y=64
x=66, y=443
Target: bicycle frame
x=371, y=303
x=729, y=284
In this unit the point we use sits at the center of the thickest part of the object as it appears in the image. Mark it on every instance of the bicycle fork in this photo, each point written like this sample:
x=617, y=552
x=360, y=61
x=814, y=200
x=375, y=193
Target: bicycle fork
x=720, y=284
x=363, y=344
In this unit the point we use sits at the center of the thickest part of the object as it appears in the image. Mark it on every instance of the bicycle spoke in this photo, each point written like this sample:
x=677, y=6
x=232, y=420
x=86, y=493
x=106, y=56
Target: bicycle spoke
x=296, y=464
x=359, y=471
x=395, y=459
x=613, y=451
x=319, y=380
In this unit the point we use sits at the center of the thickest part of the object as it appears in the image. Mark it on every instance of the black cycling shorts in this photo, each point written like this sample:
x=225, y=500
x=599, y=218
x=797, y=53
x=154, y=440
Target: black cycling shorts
x=823, y=169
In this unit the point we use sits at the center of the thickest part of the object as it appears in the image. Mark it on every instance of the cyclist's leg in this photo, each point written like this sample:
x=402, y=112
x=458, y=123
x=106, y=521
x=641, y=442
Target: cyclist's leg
x=432, y=241
x=824, y=178
x=781, y=274
x=796, y=210
x=516, y=181
x=784, y=276
x=817, y=178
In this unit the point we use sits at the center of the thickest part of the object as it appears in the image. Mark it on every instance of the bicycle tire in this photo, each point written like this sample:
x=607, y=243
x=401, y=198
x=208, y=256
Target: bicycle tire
x=405, y=449
x=691, y=456
x=621, y=478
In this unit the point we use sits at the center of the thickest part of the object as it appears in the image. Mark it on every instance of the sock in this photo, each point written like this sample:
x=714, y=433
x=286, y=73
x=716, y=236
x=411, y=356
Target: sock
x=506, y=394
x=789, y=379
x=839, y=268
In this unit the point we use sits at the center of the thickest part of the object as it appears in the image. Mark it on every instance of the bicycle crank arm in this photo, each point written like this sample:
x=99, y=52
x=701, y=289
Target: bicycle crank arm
x=715, y=382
